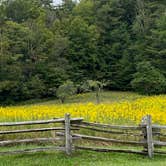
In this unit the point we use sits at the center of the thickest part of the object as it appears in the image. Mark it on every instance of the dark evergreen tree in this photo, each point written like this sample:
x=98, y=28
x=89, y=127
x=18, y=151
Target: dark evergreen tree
x=148, y=80
x=43, y=46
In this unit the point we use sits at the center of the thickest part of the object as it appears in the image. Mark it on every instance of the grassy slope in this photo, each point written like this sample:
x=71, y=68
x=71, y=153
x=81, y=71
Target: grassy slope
x=84, y=158
x=105, y=97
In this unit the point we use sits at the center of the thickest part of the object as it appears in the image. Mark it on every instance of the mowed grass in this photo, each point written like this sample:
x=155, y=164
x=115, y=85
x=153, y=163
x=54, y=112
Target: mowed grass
x=82, y=158
x=105, y=97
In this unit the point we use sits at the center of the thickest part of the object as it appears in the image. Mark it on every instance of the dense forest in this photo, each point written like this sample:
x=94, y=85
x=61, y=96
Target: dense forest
x=121, y=43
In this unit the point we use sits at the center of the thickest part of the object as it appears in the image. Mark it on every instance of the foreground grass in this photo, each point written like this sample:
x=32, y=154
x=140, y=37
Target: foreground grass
x=81, y=158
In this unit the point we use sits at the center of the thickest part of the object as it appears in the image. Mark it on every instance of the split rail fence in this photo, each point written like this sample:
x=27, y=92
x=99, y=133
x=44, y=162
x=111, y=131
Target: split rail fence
x=147, y=135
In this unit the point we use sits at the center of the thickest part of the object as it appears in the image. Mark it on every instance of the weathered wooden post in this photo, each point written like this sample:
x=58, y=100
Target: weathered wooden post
x=68, y=138
x=148, y=135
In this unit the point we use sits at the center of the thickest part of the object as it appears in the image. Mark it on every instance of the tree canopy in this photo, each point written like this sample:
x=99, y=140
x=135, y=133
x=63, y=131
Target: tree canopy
x=119, y=42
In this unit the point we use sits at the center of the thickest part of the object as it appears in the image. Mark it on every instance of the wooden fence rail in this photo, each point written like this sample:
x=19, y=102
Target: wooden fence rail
x=146, y=135
x=146, y=130
x=66, y=121
x=35, y=140
x=60, y=120
x=113, y=126
x=34, y=130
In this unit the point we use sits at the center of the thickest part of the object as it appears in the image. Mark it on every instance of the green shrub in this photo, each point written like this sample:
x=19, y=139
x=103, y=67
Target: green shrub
x=33, y=88
x=65, y=90
x=7, y=92
x=148, y=80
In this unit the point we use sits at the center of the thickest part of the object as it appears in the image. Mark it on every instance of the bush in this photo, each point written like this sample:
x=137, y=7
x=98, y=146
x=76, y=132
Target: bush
x=33, y=88
x=7, y=92
x=65, y=90
x=83, y=87
x=148, y=80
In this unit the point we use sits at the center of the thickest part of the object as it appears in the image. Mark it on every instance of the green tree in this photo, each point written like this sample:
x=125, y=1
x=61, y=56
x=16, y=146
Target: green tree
x=65, y=90
x=148, y=80
x=82, y=55
x=42, y=46
x=96, y=86
x=114, y=20
x=156, y=45
x=20, y=10
x=33, y=88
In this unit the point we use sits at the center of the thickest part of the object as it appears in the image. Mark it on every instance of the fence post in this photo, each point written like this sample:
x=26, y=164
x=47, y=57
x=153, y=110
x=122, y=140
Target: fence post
x=68, y=138
x=148, y=135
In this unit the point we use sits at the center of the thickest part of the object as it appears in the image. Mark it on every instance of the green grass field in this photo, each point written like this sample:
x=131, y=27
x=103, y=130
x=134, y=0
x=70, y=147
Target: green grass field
x=83, y=158
x=105, y=97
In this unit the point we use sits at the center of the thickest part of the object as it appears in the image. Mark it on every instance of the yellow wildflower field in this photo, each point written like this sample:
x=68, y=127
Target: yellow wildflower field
x=117, y=112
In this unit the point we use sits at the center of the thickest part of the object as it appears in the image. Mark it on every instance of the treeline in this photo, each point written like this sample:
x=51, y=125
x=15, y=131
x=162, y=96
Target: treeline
x=121, y=43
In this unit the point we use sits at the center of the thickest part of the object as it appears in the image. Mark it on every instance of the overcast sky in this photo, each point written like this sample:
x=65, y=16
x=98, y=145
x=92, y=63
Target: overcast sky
x=57, y=2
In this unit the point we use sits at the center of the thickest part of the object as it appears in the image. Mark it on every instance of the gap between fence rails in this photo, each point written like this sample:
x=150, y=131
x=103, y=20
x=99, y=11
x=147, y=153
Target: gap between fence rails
x=74, y=124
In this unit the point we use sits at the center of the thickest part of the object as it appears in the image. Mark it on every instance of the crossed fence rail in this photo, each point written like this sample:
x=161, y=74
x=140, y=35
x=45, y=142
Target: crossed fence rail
x=147, y=135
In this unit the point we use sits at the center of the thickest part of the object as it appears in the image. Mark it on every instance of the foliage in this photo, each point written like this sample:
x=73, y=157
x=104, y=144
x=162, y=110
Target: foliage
x=148, y=80
x=91, y=85
x=89, y=40
x=65, y=90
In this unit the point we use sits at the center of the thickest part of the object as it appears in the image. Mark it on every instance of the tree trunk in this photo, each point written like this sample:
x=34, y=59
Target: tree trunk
x=98, y=96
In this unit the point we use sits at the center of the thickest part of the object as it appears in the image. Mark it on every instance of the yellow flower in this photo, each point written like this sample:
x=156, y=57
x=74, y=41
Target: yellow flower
x=125, y=112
